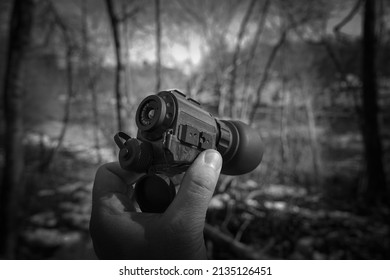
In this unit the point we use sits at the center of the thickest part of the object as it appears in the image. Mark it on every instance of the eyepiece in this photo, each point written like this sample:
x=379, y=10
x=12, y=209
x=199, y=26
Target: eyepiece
x=240, y=146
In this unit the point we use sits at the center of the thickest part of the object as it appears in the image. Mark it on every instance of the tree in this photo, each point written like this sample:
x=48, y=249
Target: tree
x=12, y=185
x=376, y=181
x=233, y=74
x=252, y=52
x=212, y=20
x=264, y=77
x=117, y=21
x=158, y=44
x=120, y=70
x=91, y=77
x=70, y=47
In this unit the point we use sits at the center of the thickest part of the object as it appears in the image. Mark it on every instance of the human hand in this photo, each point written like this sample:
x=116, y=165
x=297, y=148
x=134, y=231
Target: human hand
x=119, y=232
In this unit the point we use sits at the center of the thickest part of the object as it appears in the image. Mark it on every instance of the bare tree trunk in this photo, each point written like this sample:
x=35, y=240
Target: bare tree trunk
x=376, y=181
x=315, y=150
x=158, y=44
x=249, y=60
x=126, y=65
x=95, y=112
x=69, y=46
x=119, y=71
x=11, y=190
x=222, y=97
x=91, y=81
x=65, y=121
x=284, y=148
x=233, y=73
x=264, y=78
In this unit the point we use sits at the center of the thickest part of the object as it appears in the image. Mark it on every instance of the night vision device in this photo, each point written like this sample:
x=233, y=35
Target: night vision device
x=172, y=130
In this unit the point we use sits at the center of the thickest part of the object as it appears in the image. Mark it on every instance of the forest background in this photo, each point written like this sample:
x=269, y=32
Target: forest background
x=311, y=76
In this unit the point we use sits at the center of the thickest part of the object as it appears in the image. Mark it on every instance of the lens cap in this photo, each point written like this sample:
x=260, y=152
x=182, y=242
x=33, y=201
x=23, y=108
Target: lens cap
x=154, y=194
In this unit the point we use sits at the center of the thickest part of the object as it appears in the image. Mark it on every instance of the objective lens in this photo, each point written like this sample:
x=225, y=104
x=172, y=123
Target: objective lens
x=154, y=115
x=148, y=113
x=151, y=114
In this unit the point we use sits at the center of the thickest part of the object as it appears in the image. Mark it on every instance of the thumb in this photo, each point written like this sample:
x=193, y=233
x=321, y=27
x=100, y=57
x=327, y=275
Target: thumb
x=197, y=186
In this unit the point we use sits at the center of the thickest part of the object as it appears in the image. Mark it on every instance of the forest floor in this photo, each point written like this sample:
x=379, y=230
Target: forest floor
x=283, y=222
x=58, y=210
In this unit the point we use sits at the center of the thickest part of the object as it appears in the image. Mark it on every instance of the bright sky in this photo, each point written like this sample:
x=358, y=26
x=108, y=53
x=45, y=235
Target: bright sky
x=187, y=51
x=184, y=55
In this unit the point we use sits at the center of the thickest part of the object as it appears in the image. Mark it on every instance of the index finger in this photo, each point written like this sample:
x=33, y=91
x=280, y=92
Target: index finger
x=111, y=179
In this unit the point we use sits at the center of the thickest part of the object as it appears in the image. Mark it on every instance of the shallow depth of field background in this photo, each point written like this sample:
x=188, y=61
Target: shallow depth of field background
x=292, y=69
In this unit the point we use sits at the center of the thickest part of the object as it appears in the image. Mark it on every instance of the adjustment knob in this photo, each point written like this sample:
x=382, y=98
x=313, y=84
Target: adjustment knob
x=135, y=155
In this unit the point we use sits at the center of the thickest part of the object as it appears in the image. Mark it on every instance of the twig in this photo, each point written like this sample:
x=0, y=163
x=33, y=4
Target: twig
x=129, y=15
x=242, y=228
x=241, y=250
x=348, y=17
x=236, y=53
x=70, y=48
x=264, y=78
x=252, y=52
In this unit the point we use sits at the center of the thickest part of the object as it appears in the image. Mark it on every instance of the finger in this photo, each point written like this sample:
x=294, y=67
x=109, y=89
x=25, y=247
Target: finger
x=197, y=186
x=112, y=185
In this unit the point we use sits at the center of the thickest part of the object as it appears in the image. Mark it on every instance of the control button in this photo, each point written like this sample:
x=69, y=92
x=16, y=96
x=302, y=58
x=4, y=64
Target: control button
x=206, y=141
x=189, y=135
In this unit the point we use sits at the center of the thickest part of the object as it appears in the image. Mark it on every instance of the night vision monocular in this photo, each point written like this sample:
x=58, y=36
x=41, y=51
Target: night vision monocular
x=172, y=130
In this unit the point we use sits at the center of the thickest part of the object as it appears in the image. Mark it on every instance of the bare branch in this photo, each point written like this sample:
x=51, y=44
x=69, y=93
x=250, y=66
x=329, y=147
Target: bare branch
x=158, y=44
x=265, y=75
x=69, y=44
x=195, y=16
x=259, y=30
x=252, y=52
x=129, y=14
x=71, y=92
x=119, y=67
x=233, y=73
x=293, y=25
x=348, y=17
x=61, y=24
x=241, y=250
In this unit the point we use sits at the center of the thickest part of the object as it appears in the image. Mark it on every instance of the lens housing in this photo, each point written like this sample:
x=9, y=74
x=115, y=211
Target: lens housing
x=154, y=115
x=151, y=113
